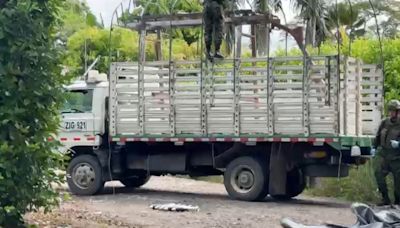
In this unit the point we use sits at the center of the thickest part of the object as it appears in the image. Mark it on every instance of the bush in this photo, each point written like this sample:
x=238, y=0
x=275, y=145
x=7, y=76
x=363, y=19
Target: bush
x=124, y=47
x=359, y=186
x=30, y=94
x=368, y=51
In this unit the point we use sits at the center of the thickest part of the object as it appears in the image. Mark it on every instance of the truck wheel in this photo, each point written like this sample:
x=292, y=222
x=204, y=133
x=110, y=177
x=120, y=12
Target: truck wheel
x=245, y=179
x=135, y=182
x=84, y=175
x=295, y=185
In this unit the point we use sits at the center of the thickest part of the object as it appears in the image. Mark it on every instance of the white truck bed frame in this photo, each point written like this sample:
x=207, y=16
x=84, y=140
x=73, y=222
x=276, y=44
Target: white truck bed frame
x=245, y=97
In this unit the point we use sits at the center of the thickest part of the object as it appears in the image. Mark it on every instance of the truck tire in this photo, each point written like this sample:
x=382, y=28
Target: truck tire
x=245, y=179
x=84, y=175
x=135, y=182
x=295, y=185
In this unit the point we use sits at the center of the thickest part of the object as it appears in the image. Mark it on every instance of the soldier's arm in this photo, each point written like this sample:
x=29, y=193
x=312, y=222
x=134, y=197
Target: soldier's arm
x=378, y=135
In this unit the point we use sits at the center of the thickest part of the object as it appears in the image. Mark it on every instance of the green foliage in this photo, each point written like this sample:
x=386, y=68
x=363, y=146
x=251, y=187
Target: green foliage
x=358, y=186
x=30, y=94
x=349, y=18
x=76, y=16
x=213, y=179
x=163, y=7
x=124, y=47
x=390, y=23
x=367, y=50
x=166, y=7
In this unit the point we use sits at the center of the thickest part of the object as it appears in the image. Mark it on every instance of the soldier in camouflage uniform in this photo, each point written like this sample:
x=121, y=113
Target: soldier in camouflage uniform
x=387, y=159
x=214, y=22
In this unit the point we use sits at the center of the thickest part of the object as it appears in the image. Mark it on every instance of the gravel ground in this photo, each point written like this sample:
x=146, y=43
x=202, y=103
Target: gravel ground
x=124, y=207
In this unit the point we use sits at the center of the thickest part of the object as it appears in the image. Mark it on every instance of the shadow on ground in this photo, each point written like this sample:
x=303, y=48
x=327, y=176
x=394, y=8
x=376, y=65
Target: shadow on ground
x=121, y=192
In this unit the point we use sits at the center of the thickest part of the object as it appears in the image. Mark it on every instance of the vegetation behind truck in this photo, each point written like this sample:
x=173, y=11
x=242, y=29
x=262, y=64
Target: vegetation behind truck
x=264, y=123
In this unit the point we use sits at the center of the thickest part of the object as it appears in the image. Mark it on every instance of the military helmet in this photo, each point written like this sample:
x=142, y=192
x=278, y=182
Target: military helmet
x=393, y=105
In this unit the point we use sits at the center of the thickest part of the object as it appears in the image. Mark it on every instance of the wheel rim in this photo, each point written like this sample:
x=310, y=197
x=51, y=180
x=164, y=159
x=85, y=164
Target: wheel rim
x=83, y=175
x=242, y=179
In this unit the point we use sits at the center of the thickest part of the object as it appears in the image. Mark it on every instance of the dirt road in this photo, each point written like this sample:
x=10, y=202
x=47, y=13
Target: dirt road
x=118, y=206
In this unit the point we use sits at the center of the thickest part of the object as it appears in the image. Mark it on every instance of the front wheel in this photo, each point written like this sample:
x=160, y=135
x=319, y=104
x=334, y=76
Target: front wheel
x=84, y=175
x=245, y=179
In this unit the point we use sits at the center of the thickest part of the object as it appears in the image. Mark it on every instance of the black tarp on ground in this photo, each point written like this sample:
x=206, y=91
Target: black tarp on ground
x=366, y=218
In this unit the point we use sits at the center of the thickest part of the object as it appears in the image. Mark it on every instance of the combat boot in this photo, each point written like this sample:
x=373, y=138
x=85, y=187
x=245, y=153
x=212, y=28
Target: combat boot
x=209, y=54
x=218, y=55
x=210, y=57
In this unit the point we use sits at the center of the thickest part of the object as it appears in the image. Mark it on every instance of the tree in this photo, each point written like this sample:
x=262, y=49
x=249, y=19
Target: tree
x=31, y=93
x=390, y=9
x=313, y=13
x=348, y=17
x=390, y=28
x=76, y=15
x=124, y=47
x=166, y=7
x=259, y=33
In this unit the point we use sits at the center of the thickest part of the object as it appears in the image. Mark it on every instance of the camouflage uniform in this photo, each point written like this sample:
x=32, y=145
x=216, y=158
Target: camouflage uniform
x=214, y=22
x=387, y=159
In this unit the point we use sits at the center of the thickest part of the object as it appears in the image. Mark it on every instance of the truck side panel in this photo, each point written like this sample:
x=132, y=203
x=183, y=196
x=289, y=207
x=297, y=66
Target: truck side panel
x=247, y=97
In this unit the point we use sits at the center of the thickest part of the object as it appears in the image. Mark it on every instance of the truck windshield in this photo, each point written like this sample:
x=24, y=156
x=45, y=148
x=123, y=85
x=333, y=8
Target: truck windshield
x=78, y=101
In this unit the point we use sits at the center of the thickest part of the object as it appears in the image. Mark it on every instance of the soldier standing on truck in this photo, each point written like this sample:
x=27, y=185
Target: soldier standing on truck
x=388, y=153
x=214, y=23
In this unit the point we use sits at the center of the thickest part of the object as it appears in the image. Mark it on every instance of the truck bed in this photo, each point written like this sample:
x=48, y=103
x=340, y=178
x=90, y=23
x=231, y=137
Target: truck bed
x=260, y=98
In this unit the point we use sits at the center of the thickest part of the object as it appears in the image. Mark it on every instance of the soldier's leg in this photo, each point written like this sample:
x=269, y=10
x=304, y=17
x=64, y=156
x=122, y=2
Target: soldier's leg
x=208, y=28
x=395, y=168
x=381, y=171
x=219, y=29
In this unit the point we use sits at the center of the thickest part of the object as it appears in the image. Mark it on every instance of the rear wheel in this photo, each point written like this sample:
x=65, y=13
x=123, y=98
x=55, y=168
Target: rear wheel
x=245, y=178
x=295, y=185
x=136, y=181
x=84, y=175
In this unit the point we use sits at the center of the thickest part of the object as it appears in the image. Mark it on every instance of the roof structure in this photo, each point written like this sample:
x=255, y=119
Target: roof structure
x=240, y=17
x=236, y=18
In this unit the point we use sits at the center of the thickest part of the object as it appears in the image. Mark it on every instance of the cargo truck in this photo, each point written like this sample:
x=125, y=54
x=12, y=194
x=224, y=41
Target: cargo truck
x=264, y=123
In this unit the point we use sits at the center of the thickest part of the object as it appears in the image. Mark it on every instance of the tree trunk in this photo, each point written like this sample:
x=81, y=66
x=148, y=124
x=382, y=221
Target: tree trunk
x=286, y=33
x=309, y=33
x=314, y=32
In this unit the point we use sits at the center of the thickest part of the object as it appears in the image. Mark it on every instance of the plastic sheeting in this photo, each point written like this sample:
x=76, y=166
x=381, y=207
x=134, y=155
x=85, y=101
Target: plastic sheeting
x=174, y=207
x=366, y=218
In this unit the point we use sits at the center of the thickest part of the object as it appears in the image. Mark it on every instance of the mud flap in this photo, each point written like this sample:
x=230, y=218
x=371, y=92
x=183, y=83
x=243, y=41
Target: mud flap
x=277, y=170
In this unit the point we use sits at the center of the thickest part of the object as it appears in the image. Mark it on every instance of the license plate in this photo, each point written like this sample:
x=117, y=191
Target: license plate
x=75, y=125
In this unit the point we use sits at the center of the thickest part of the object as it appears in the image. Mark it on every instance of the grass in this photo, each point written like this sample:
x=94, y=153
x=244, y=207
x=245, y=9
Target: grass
x=213, y=179
x=359, y=186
